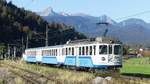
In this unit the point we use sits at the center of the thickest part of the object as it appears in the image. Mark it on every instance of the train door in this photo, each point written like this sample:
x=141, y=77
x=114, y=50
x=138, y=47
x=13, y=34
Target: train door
x=24, y=55
x=38, y=55
x=76, y=54
x=117, y=54
x=110, y=54
x=60, y=55
x=103, y=54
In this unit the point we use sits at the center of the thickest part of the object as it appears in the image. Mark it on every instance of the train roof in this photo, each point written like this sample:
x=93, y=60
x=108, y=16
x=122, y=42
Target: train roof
x=102, y=40
x=45, y=47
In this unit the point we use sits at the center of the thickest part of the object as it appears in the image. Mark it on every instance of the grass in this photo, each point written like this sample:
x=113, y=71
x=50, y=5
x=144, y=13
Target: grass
x=139, y=66
x=60, y=74
x=73, y=77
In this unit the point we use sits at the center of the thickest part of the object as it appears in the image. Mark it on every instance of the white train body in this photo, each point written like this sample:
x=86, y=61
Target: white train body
x=93, y=54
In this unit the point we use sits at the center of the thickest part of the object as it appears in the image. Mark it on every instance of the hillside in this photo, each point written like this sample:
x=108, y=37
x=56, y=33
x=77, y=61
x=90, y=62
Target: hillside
x=16, y=24
x=130, y=31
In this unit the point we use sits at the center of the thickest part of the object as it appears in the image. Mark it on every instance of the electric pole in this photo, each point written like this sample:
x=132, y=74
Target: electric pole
x=46, y=37
x=27, y=42
x=8, y=51
x=14, y=56
x=22, y=44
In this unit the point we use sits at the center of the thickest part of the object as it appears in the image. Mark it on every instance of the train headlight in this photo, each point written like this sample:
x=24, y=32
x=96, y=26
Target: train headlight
x=103, y=58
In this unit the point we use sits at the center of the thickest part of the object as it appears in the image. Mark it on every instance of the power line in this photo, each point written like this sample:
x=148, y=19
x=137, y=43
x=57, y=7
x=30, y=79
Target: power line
x=136, y=14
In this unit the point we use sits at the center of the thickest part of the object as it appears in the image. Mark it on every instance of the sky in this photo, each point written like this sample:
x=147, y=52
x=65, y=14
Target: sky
x=112, y=8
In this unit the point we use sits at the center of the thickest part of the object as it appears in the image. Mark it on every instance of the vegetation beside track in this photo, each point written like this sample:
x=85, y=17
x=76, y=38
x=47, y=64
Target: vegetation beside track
x=137, y=67
x=66, y=76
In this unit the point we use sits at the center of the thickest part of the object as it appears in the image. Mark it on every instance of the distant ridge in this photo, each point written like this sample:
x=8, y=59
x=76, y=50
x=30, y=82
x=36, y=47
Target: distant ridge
x=131, y=31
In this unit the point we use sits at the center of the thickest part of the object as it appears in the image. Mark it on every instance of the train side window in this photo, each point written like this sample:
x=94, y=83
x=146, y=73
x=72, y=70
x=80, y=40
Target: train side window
x=79, y=50
x=53, y=52
x=45, y=52
x=56, y=52
x=117, y=50
x=66, y=51
x=72, y=50
x=69, y=51
x=103, y=49
x=110, y=49
x=87, y=51
x=90, y=50
x=94, y=47
x=83, y=51
x=50, y=52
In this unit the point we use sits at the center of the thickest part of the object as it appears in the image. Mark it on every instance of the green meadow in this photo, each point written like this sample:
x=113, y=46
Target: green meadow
x=136, y=66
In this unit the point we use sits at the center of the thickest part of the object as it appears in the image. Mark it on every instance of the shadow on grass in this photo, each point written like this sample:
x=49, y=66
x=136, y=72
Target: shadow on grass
x=137, y=75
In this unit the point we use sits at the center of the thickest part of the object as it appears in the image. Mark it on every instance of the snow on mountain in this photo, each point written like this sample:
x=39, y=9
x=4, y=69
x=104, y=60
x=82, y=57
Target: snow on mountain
x=48, y=12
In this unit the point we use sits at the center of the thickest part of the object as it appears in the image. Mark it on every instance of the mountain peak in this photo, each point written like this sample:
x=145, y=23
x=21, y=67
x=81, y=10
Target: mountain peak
x=48, y=11
x=105, y=18
x=134, y=21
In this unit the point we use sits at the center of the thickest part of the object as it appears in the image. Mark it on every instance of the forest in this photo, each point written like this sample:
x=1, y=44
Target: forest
x=26, y=29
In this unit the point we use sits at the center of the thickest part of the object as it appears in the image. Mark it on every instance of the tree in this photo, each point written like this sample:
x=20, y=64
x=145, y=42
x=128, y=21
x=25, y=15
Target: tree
x=2, y=50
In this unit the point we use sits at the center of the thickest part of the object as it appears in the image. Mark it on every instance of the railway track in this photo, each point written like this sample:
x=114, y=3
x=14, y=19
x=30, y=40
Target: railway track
x=30, y=76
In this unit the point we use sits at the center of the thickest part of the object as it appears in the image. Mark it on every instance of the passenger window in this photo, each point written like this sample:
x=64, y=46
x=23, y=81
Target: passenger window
x=90, y=50
x=94, y=50
x=56, y=52
x=53, y=52
x=72, y=51
x=83, y=51
x=69, y=51
x=87, y=51
x=103, y=49
x=79, y=50
x=110, y=49
x=50, y=52
x=66, y=51
x=117, y=49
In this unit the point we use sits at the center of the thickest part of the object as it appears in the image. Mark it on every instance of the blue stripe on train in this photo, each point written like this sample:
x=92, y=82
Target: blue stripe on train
x=83, y=61
x=70, y=60
x=49, y=59
x=31, y=59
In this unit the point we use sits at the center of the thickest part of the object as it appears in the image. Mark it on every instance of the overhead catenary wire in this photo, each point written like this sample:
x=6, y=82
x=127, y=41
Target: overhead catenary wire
x=133, y=15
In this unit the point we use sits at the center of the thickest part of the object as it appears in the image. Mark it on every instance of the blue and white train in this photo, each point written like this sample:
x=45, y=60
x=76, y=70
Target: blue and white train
x=98, y=53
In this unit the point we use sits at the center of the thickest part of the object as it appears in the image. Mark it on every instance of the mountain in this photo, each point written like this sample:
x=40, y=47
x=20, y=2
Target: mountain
x=130, y=31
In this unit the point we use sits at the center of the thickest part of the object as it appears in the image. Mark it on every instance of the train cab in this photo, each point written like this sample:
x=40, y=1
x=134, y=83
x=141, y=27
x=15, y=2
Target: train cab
x=110, y=55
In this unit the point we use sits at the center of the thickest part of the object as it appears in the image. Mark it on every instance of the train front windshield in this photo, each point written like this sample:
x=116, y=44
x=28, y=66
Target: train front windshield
x=110, y=49
x=117, y=50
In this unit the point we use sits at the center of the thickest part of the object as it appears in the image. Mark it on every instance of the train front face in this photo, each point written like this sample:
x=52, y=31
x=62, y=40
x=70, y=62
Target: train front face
x=110, y=55
x=115, y=53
